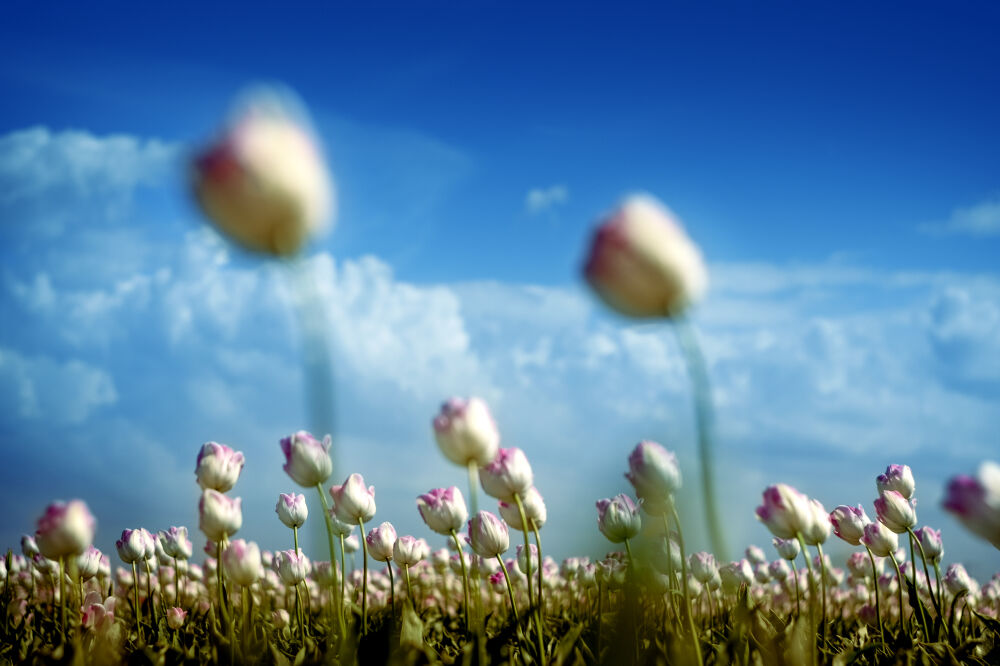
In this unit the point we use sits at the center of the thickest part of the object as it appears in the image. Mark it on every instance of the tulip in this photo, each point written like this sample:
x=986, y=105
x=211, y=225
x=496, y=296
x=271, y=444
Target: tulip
x=618, y=518
x=292, y=568
x=509, y=474
x=409, y=550
x=488, y=535
x=785, y=512
x=930, y=542
x=352, y=501
x=880, y=539
x=264, y=181
x=292, y=509
x=703, y=566
x=817, y=530
x=653, y=472
x=849, y=523
x=176, y=617
x=176, y=543
x=381, y=540
x=88, y=563
x=643, y=264
x=219, y=516
x=218, y=467
x=66, y=528
x=280, y=618
x=534, y=511
x=307, y=460
x=976, y=501
x=779, y=570
x=242, y=562
x=958, y=580
x=29, y=547
x=898, y=478
x=755, y=555
x=132, y=546
x=895, y=512
x=443, y=509
x=466, y=432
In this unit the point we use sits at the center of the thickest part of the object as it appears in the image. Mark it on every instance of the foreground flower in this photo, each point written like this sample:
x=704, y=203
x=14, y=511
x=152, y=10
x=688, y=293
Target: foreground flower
x=643, y=264
x=176, y=617
x=218, y=467
x=618, y=518
x=307, y=460
x=880, y=539
x=785, y=511
x=895, y=511
x=976, y=501
x=380, y=541
x=443, y=509
x=898, y=478
x=409, y=550
x=292, y=509
x=292, y=568
x=466, y=432
x=849, y=523
x=66, y=528
x=488, y=535
x=264, y=182
x=534, y=511
x=352, y=501
x=653, y=472
x=242, y=563
x=508, y=474
x=219, y=516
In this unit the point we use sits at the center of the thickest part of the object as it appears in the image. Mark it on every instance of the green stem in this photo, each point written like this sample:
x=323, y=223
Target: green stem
x=409, y=590
x=701, y=386
x=899, y=579
x=671, y=599
x=913, y=582
x=62, y=595
x=364, y=584
x=135, y=596
x=329, y=539
x=473, y=470
x=822, y=581
x=812, y=593
x=152, y=602
x=343, y=585
x=299, y=616
x=177, y=584
x=510, y=590
x=533, y=608
x=878, y=607
x=392, y=592
x=684, y=580
x=465, y=576
x=541, y=561
x=795, y=577
x=927, y=574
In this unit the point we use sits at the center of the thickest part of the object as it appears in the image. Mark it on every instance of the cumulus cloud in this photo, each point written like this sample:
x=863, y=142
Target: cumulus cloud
x=542, y=199
x=42, y=388
x=982, y=219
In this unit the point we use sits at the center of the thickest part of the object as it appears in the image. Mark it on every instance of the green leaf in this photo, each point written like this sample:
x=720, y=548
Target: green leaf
x=411, y=630
x=279, y=658
x=566, y=644
x=300, y=658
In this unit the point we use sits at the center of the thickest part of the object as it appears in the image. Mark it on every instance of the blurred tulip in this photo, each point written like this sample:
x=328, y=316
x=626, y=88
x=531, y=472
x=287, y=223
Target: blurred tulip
x=618, y=518
x=66, y=528
x=849, y=523
x=895, y=511
x=352, y=501
x=242, y=562
x=488, y=535
x=976, y=501
x=380, y=541
x=443, y=509
x=292, y=509
x=218, y=467
x=508, y=474
x=219, y=516
x=898, y=478
x=307, y=460
x=466, y=432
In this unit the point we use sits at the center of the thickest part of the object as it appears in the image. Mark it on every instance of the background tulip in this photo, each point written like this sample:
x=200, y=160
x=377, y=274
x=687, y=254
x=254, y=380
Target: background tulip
x=66, y=528
x=307, y=460
x=466, y=432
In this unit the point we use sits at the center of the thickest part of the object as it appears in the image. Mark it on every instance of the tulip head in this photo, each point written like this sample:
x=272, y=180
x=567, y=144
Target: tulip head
x=66, y=528
x=409, y=550
x=643, y=264
x=291, y=567
x=755, y=555
x=849, y=523
x=292, y=509
x=218, y=467
x=176, y=543
x=88, y=563
x=219, y=516
x=975, y=501
x=352, y=501
x=488, y=535
x=534, y=511
x=898, y=478
x=653, y=472
x=618, y=518
x=242, y=562
x=133, y=547
x=466, y=432
x=307, y=459
x=880, y=539
x=508, y=474
x=703, y=566
x=785, y=511
x=895, y=511
x=176, y=617
x=443, y=509
x=930, y=542
x=380, y=542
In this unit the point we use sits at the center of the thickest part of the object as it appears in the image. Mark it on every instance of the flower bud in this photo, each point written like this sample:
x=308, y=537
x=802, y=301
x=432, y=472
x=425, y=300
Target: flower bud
x=132, y=546
x=443, y=509
x=703, y=566
x=219, y=516
x=88, y=563
x=307, y=460
x=280, y=618
x=176, y=543
x=618, y=518
x=653, y=472
x=779, y=570
x=380, y=541
x=880, y=539
x=849, y=523
x=787, y=548
x=66, y=528
x=409, y=550
x=930, y=541
x=29, y=547
x=898, y=478
x=534, y=511
x=895, y=512
x=218, y=467
x=643, y=264
x=352, y=501
x=958, y=580
x=736, y=574
x=507, y=475
x=292, y=509
x=976, y=501
x=291, y=567
x=817, y=530
x=352, y=544
x=176, y=617
x=488, y=535
x=522, y=558
x=785, y=512
x=466, y=432
x=755, y=555
x=242, y=563
x=264, y=181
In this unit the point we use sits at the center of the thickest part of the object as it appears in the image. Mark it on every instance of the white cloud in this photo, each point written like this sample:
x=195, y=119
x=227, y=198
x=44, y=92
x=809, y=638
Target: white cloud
x=39, y=388
x=982, y=219
x=542, y=199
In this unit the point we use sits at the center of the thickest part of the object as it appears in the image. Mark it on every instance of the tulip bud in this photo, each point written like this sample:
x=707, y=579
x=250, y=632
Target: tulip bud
x=895, y=512
x=242, y=563
x=291, y=567
x=176, y=617
x=976, y=501
x=307, y=460
x=898, y=478
x=785, y=512
x=219, y=516
x=176, y=543
x=218, y=467
x=880, y=539
x=443, y=509
x=736, y=574
x=618, y=518
x=380, y=541
x=352, y=501
x=787, y=548
x=643, y=264
x=779, y=570
x=29, y=547
x=507, y=475
x=958, y=580
x=703, y=566
x=281, y=618
x=755, y=555
x=653, y=472
x=88, y=564
x=466, y=432
x=352, y=544
x=817, y=530
x=849, y=523
x=522, y=558
x=131, y=546
x=292, y=509
x=534, y=511
x=930, y=541
x=409, y=550
x=488, y=535
x=66, y=528
x=264, y=182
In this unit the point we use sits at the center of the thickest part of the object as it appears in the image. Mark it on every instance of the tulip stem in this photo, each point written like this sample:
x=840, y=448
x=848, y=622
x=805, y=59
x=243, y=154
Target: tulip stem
x=135, y=596
x=536, y=613
x=364, y=583
x=684, y=577
x=343, y=585
x=798, y=602
x=392, y=592
x=812, y=592
x=538, y=544
x=149, y=596
x=177, y=584
x=409, y=589
x=465, y=576
x=473, y=469
x=698, y=372
x=878, y=607
x=510, y=590
x=329, y=539
x=822, y=582
x=913, y=581
x=927, y=574
x=899, y=579
x=62, y=595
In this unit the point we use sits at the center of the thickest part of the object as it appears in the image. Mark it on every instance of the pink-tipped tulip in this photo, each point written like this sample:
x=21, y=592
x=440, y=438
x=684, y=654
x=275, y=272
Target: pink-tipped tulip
x=466, y=432
x=409, y=550
x=219, y=516
x=643, y=264
x=507, y=475
x=618, y=518
x=132, y=546
x=788, y=549
x=930, y=542
x=849, y=523
x=653, y=472
x=976, y=501
x=443, y=509
x=218, y=467
x=880, y=539
x=292, y=509
x=242, y=562
x=176, y=617
x=895, y=511
x=292, y=568
x=703, y=566
x=380, y=542
x=534, y=511
x=352, y=501
x=264, y=181
x=307, y=459
x=817, y=530
x=88, y=563
x=488, y=535
x=785, y=511
x=66, y=528
x=898, y=478
x=176, y=543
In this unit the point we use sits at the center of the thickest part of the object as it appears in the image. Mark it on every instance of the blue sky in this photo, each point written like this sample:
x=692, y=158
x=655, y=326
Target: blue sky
x=836, y=165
